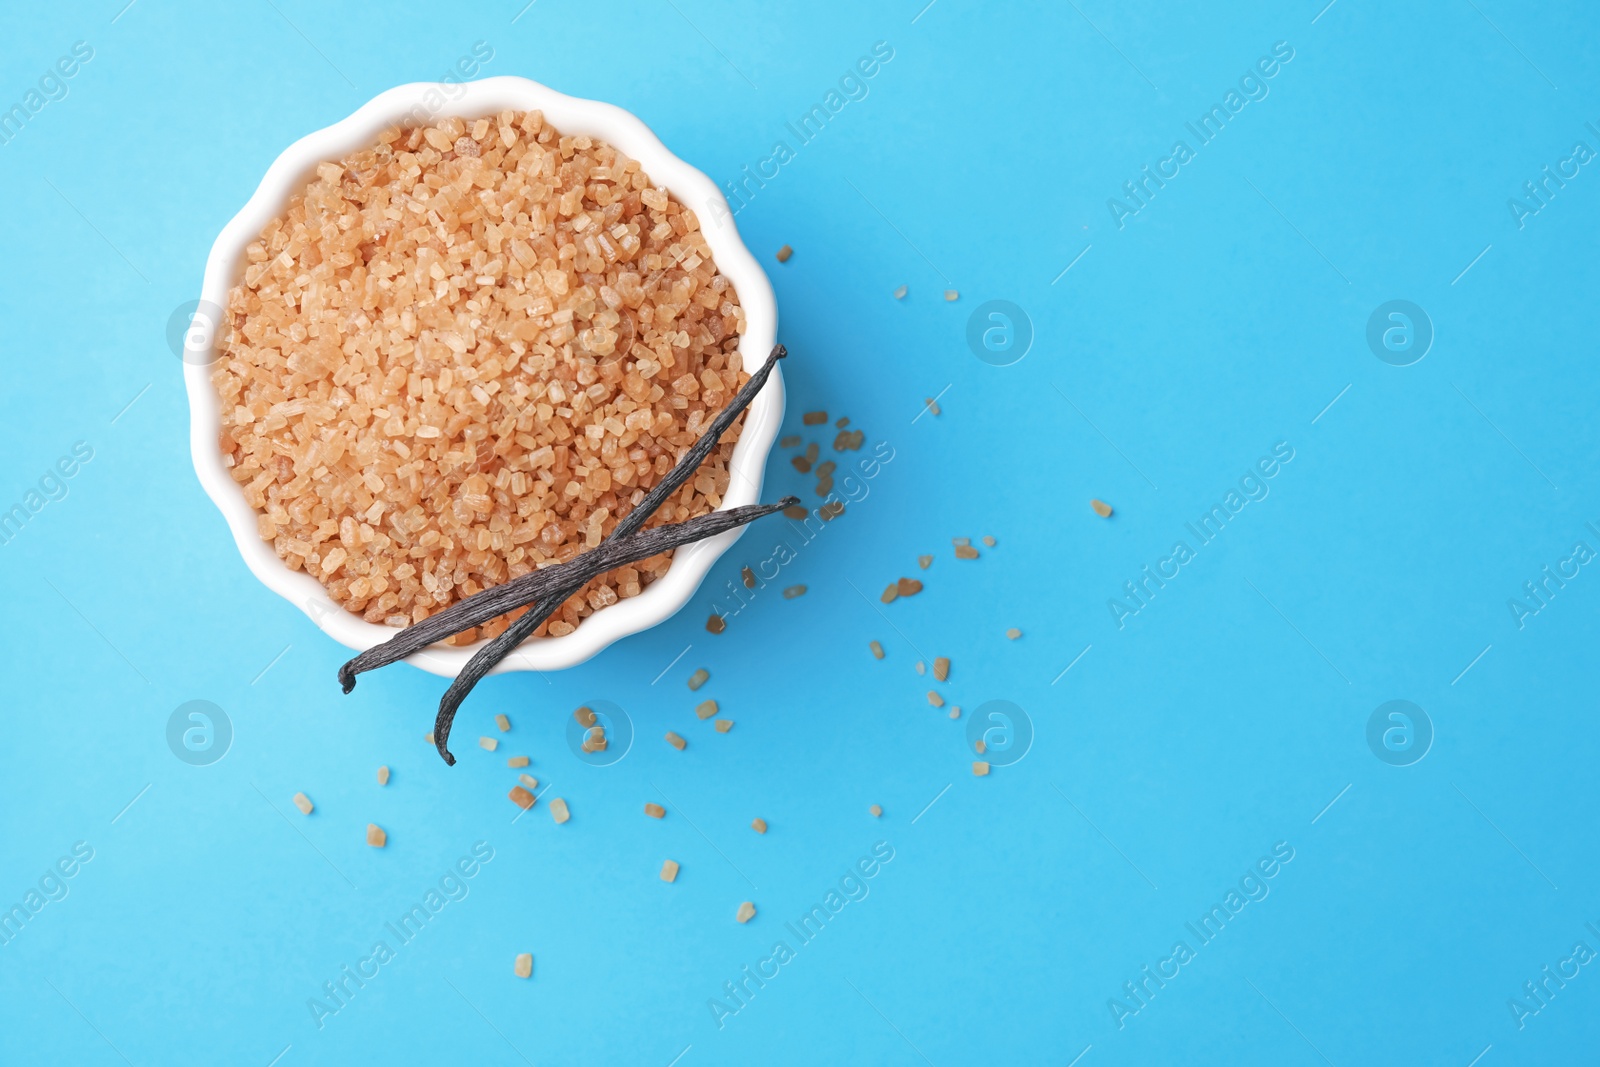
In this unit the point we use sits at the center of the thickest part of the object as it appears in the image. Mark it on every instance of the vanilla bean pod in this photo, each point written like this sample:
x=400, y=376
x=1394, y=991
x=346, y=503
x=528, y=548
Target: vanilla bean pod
x=497, y=600
x=566, y=578
x=488, y=657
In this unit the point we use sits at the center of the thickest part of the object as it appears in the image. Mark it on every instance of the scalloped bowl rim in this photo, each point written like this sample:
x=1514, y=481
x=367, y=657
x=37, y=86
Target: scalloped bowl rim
x=289, y=174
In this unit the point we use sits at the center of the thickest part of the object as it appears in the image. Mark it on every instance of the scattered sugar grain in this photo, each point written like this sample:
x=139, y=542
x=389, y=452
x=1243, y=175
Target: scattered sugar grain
x=715, y=624
x=585, y=716
x=988, y=540
x=900, y=293
x=1101, y=508
x=1013, y=633
x=941, y=667
x=876, y=810
x=655, y=811
x=488, y=743
x=980, y=768
x=705, y=709
x=935, y=699
x=793, y=591
x=747, y=911
x=522, y=967
x=908, y=587
x=558, y=810
x=966, y=552
x=758, y=825
x=783, y=257
x=699, y=678
x=383, y=775
x=375, y=835
x=877, y=649
x=521, y=797
x=503, y=722
x=303, y=802
x=669, y=871
x=951, y=294
x=675, y=741
x=814, y=418
x=517, y=761
x=723, y=725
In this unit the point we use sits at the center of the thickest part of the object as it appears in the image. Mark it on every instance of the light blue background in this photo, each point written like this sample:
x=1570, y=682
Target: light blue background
x=1222, y=719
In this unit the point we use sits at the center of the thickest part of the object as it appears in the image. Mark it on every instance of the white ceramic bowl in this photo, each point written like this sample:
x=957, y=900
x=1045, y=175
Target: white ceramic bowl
x=423, y=102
